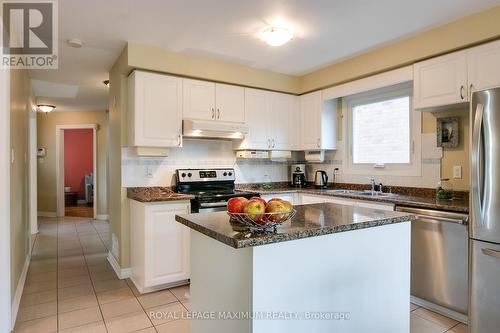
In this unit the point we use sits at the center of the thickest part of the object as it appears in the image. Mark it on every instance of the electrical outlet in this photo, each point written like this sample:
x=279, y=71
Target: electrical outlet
x=149, y=172
x=457, y=172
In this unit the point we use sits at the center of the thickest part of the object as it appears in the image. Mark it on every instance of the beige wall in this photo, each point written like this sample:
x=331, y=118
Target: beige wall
x=46, y=134
x=453, y=156
x=19, y=173
x=465, y=32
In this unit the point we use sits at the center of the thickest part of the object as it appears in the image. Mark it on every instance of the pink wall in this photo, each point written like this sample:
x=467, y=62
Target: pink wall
x=78, y=158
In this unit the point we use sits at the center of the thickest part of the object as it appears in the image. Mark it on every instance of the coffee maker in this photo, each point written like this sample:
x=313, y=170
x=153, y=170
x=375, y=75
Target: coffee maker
x=298, y=173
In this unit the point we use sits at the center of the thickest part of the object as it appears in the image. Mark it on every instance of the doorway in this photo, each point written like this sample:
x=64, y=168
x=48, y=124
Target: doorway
x=76, y=170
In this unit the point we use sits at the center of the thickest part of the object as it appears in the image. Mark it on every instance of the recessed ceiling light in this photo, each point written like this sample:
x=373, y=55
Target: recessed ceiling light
x=106, y=82
x=46, y=108
x=75, y=42
x=276, y=36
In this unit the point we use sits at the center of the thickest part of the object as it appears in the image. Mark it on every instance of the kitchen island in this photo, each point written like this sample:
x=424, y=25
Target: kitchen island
x=332, y=268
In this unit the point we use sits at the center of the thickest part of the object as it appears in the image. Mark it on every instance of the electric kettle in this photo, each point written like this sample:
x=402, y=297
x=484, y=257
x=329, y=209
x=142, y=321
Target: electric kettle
x=320, y=179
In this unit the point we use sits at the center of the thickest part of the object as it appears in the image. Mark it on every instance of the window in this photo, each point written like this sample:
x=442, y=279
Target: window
x=383, y=132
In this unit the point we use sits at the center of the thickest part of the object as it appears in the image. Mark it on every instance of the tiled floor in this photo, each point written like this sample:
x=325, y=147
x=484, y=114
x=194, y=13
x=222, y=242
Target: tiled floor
x=70, y=287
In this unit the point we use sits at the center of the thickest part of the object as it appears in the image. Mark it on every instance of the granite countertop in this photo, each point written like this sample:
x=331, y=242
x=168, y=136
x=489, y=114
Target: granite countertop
x=156, y=194
x=310, y=221
x=460, y=205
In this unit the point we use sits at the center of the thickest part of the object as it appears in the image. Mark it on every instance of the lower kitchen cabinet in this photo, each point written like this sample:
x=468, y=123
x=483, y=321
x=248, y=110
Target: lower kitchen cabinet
x=290, y=197
x=159, y=245
x=312, y=199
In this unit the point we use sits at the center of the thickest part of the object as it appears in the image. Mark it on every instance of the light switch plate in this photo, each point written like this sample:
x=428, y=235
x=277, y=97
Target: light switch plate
x=457, y=172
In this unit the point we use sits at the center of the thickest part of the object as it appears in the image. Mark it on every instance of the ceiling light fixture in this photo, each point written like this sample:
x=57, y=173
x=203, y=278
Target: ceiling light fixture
x=46, y=108
x=106, y=82
x=75, y=42
x=276, y=36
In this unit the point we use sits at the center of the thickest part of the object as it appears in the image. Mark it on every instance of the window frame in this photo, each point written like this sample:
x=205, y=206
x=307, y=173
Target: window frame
x=414, y=168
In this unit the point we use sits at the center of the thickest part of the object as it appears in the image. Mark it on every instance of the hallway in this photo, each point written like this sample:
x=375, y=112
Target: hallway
x=70, y=286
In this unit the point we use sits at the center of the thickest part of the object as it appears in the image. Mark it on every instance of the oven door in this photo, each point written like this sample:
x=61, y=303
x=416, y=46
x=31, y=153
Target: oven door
x=209, y=207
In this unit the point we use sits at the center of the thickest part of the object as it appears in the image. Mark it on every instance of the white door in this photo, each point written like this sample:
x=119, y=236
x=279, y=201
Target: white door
x=283, y=113
x=199, y=100
x=156, y=110
x=310, y=121
x=230, y=103
x=167, y=245
x=441, y=81
x=257, y=115
x=484, y=66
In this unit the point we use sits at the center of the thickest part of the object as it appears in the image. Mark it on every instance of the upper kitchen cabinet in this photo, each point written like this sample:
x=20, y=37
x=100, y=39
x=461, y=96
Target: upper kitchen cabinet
x=230, y=103
x=318, y=122
x=155, y=110
x=199, y=99
x=484, y=66
x=441, y=81
x=205, y=100
x=271, y=119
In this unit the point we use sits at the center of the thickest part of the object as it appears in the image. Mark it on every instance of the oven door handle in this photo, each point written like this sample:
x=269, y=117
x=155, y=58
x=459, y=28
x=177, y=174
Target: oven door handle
x=213, y=204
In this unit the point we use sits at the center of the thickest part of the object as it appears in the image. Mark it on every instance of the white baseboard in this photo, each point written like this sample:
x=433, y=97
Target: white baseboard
x=122, y=273
x=439, y=309
x=19, y=290
x=102, y=217
x=47, y=214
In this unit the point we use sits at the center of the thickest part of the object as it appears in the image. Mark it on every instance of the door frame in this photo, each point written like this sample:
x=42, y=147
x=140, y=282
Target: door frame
x=5, y=164
x=60, y=164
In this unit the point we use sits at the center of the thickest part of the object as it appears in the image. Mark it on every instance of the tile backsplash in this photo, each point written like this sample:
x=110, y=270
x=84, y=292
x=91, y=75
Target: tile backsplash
x=154, y=171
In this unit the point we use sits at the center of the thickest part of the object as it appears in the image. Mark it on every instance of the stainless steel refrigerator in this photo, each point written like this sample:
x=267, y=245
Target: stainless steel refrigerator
x=484, y=226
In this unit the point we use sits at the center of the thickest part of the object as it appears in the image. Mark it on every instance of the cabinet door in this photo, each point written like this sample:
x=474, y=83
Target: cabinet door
x=167, y=244
x=283, y=113
x=257, y=115
x=310, y=121
x=441, y=81
x=199, y=100
x=373, y=205
x=484, y=66
x=155, y=103
x=230, y=103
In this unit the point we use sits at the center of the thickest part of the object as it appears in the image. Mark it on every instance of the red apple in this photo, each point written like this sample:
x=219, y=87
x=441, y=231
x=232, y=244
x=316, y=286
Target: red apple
x=278, y=208
x=255, y=209
x=260, y=199
x=288, y=205
x=236, y=205
x=274, y=199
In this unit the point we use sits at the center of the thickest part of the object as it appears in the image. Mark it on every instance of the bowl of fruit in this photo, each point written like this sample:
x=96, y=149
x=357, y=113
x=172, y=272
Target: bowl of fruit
x=258, y=214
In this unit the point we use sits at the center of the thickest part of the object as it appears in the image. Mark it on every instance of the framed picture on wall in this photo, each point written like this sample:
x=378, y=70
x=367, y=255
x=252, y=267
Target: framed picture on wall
x=447, y=132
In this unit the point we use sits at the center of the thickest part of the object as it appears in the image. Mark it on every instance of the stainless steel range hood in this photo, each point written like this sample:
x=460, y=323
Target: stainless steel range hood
x=213, y=129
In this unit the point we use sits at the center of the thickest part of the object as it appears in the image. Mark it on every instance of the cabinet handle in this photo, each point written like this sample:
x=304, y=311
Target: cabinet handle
x=179, y=140
x=319, y=143
x=268, y=143
x=218, y=113
x=491, y=253
x=470, y=89
x=462, y=92
x=213, y=113
x=274, y=143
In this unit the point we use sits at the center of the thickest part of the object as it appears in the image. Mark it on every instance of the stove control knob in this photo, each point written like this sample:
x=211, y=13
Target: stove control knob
x=190, y=174
x=225, y=174
x=230, y=174
x=183, y=175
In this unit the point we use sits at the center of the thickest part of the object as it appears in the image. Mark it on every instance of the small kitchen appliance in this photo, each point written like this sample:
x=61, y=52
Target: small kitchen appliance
x=212, y=188
x=298, y=173
x=320, y=179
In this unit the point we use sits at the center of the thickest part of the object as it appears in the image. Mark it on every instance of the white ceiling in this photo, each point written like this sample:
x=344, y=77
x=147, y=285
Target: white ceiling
x=327, y=31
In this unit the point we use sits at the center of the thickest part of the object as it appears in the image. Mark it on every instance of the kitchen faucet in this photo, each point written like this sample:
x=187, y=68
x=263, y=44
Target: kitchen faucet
x=374, y=185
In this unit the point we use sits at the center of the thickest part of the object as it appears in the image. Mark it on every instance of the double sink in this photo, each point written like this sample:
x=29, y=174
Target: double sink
x=361, y=193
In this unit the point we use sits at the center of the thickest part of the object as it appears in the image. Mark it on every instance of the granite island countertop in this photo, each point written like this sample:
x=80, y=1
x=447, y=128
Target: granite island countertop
x=310, y=221
x=459, y=205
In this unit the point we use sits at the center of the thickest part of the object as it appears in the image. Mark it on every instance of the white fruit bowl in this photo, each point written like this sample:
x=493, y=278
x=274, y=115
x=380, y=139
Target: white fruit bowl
x=263, y=221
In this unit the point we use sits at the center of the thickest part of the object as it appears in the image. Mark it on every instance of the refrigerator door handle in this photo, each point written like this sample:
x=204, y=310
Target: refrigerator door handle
x=491, y=253
x=478, y=164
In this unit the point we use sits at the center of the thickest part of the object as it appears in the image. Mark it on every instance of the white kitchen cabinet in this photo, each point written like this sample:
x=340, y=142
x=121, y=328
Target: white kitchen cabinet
x=155, y=110
x=213, y=101
x=318, y=122
x=376, y=205
x=159, y=245
x=271, y=118
x=312, y=199
x=307, y=199
x=484, y=66
x=290, y=197
x=230, y=103
x=441, y=81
